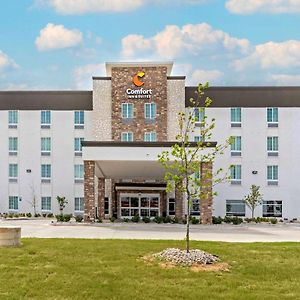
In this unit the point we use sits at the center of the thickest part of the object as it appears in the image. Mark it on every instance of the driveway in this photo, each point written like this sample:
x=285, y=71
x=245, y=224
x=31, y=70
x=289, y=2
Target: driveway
x=227, y=233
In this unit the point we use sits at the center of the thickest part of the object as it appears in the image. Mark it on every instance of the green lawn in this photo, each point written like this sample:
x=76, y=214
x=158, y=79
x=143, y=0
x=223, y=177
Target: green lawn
x=110, y=269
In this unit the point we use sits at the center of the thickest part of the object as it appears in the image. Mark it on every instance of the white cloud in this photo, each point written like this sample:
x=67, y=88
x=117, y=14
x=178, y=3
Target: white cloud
x=272, y=55
x=190, y=39
x=286, y=79
x=203, y=76
x=54, y=37
x=6, y=62
x=265, y=6
x=83, y=75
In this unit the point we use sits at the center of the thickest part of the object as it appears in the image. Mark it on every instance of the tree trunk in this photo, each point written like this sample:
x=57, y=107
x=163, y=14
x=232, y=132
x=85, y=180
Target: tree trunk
x=188, y=223
x=252, y=213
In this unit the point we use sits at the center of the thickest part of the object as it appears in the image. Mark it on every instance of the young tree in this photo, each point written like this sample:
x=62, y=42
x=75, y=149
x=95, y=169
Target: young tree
x=182, y=162
x=254, y=198
x=61, y=203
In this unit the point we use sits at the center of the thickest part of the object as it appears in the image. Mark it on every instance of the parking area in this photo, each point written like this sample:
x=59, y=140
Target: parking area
x=227, y=233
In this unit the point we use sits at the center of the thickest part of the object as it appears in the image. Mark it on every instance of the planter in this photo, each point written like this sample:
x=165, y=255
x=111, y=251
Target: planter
x=10, y=236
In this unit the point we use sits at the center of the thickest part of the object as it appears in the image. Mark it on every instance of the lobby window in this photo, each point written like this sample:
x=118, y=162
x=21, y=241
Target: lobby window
x=236, y=146
x=46, y=173
x=77, y=146
x=45, y=146
x=150, y=110
x=127, y=110
x=236, y=174
x=195, y=208
x=45, y=119
x=13, y=202
x=79, y=204
x=171, y=207
x=13, y=145
x=78, y=173
x=79, y=119
x=199, y=114
x=13, y=172
x=46, y=203
x=235, y=208
x=236, y=117
x=272, y=116
x=272, y=208
x=272, y=145
x=127, y=137
x=150, y=136
x=13, y=119
x=272, y=175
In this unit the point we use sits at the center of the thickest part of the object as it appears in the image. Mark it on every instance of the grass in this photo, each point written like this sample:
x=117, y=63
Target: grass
x=110, y=269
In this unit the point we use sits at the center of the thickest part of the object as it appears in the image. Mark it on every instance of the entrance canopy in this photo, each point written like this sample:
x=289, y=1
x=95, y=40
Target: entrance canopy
x=129, y=160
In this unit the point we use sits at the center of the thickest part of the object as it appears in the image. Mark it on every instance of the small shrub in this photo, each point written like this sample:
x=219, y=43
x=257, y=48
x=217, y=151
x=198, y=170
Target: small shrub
x=228, y=219
x=50, y=215
x=126, y=220
x=37, y=215
x=167, y=219
x=112, y=219
x=78, y=219
x=29, y=215
x=67, y=218
x=183, y=221
x=158, y=219
x=273, y=221
x=146, y=219
x=249, y=220
x=44, y=215
x=217, y=220
x=99, y=220
x=194, y=220
x=59, y=218
x=174, y=220
x=237, y=221
x=135, y=219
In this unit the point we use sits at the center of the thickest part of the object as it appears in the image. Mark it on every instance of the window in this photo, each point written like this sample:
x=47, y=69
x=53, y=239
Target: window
x=272, y=115
x=272, y=175
x=13, y=171
x=13, y=145
x=106, y=205
x=79, y=119
x=127, y=137
x=46, y=171
x=78, y=171
x=199, y=114
x=150, y=110
x=46, y=145
x=77, y=145
x=46, y=203
x=235, y=208
x=236, y=146
x=272, y=145
x=199, y=138
x=79, y=204
x=45, y=117
x=171, y=207
x=236, y=174
x=272, y=208
x=127, y=110
x=236, y=117
x=13, y=202
x=195, y=208
x=13, y=117
x=150, y=136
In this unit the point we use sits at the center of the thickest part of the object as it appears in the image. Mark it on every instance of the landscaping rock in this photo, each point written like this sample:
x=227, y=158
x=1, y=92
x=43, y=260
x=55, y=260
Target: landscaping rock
x=183, y=258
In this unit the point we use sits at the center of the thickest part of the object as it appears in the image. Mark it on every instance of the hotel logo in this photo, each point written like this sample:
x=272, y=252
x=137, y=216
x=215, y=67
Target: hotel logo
x=140, y=93
x=136, y=79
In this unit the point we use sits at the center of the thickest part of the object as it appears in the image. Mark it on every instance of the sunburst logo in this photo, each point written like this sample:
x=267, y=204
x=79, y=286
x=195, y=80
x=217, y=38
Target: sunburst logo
x=137, y=79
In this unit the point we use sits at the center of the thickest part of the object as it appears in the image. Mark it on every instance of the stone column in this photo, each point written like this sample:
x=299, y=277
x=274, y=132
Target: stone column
x=89, y=190
x=101, y=197
x=114, y=199
x=178, y=203
x=206, y=193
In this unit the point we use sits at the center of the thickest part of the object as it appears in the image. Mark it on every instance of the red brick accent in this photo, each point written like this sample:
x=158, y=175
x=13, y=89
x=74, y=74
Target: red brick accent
x=89, y=190
x=101, y=197
x=178, y=203
x=206, y=201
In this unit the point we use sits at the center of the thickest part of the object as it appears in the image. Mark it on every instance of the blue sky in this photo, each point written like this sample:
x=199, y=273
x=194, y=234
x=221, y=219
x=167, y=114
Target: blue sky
x=60, y=44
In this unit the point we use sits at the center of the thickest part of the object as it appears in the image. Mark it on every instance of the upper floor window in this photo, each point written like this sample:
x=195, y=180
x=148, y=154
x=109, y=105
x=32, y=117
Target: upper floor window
x=150, y=110
x=272, y=175
x=272, y=116
x=79, y=119
x=13, y=145
x=272, y=145
x=236, y=146
x=127, y=137
x=78, y=172
x=236, y=117
x=150, y=136
x=236, y=174
x=46, y=171
x=198, y=138
x=199, y=114
x=77, y=146
x=127, y=110
x=45, y=118
x=13, y=171
x=13, y=118
x=45, y=146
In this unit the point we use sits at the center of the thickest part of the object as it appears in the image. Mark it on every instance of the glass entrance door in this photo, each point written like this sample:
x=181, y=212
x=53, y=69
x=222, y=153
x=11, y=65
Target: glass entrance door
x=143, y=205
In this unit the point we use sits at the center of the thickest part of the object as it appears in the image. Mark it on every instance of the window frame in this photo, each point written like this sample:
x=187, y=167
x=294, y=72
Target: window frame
x=127, y=134
x=236, y=213
x=13, y=171
x=47, y=198
x=273, y=115
x=13, y=117
x=46, y=117
x=125, y=111
x=275, y=203
x=15, y=205
x=152, y=114
x=80, y=205
x=236, y=113
x=48, y=169
x=150, y=134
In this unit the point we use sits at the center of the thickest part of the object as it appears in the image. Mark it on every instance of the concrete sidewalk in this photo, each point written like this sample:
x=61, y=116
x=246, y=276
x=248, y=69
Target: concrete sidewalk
x=226, y=233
